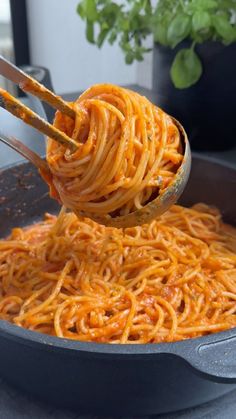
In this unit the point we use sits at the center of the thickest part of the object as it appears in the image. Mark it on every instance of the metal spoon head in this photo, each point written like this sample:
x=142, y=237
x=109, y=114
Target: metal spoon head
x=163, y=202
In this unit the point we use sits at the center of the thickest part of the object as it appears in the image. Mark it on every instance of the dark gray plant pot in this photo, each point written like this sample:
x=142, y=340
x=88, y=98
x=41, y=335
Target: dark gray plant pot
x=208, y=109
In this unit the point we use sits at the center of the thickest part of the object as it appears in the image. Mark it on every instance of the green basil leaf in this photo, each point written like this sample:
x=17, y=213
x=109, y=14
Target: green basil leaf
x=90, y=32
x=80, y=10
x=129, y=58
x=90, y=10
x=227, y=4
x=160, y=33
x=224, y=28
x=110, y=13
x=125, y=46
x=112, y=38
x=186, y=68
x=139, y=56
x=101, y=37
x=208, y=4
x=125, y=25
x=201, y=20
x=179, y=29
x=202, y=5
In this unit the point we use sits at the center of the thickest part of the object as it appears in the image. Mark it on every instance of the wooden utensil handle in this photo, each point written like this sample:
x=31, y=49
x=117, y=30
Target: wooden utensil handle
x=37, y=89
x=21, y=111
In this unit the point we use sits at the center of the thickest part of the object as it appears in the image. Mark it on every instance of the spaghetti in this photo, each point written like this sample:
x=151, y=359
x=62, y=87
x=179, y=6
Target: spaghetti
x=170, y=280
x=128, y=153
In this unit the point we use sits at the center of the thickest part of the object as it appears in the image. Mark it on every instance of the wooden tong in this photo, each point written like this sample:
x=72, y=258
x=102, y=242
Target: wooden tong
x=28, y=84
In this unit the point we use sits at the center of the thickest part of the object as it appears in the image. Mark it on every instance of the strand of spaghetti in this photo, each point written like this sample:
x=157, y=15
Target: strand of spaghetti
x=131, y=315
x=208, y=328
x=55, y=292
x=172, y=313
x=33, y=297
x=159, y=323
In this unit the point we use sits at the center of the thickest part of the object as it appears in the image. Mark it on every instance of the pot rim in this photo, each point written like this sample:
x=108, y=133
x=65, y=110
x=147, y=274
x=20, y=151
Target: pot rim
x=53, y=343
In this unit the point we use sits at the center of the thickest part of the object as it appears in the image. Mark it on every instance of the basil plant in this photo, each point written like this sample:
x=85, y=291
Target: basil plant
x=169, y=21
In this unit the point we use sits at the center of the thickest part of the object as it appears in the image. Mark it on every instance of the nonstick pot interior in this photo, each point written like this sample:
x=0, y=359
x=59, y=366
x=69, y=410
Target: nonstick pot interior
x=116, y=379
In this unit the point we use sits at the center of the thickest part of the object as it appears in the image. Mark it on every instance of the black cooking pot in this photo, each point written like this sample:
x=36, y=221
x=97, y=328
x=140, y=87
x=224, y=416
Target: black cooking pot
x=116, y=379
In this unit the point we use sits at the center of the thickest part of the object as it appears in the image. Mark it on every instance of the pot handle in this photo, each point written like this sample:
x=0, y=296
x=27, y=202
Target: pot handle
x=42, y=75
x=216, y=357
